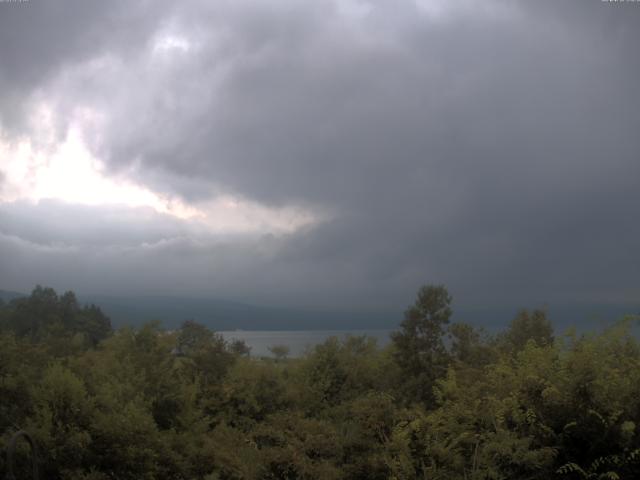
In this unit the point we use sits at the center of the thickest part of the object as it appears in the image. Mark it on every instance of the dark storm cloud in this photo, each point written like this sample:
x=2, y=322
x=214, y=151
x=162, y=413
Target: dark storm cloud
x=492, y=146
x=39, y=39
x=114, y=249
x=52, y=223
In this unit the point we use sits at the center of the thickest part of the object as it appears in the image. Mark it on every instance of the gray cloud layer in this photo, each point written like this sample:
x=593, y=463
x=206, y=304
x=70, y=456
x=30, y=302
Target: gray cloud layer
x=493, y=146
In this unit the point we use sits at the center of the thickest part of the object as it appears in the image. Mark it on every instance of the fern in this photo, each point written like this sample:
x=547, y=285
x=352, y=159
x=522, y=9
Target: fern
x=569, y=468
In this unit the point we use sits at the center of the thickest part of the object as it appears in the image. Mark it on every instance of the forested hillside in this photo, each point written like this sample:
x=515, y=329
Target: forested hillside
x=443, y=401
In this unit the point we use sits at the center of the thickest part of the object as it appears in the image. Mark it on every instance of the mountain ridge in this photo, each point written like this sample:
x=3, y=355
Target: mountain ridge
x=224, y=315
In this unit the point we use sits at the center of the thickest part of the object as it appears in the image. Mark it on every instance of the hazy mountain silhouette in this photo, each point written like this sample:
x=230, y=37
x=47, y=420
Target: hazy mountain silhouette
x=7, y=295
x=229, y=315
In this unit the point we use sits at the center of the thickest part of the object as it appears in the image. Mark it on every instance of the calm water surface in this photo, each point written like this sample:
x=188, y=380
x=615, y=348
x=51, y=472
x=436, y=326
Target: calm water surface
x=297, y=340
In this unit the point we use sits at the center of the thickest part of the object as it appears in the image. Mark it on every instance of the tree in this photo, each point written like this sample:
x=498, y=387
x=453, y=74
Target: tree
x=280, y=351
x=69, y=308
x=470, y=347
x=93, y=323
x=528, y=326
x=34, y=314
x=420, y=350
x=193, y=336
x=464, y=341
x=205, y=351
x=240, y=348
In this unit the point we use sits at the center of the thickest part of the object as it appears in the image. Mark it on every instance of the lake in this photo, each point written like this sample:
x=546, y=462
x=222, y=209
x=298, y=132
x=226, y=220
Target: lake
x=297, y=340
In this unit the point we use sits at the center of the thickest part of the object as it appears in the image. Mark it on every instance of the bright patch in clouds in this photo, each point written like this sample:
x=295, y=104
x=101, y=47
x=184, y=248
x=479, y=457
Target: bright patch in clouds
x=43, y=168
x=171, y=43
x=69, y=172
x=442, y=10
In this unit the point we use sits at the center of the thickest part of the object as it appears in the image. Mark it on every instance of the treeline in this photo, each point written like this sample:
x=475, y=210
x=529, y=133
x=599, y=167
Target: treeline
x=442, y=401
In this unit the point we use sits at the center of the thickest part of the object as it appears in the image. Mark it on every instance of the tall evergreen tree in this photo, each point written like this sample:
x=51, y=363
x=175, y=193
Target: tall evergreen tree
x=420, y=349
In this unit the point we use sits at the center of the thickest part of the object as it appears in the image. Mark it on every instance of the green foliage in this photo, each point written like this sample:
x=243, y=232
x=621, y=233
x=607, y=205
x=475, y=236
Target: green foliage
x=420, y=350
x=280, y=352
x=46, y=316
x=150, y=404
x=251, y=393
x=526, y=327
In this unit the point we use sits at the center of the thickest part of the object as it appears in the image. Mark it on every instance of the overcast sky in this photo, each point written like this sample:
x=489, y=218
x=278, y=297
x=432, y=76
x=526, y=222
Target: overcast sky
x=326, y=154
